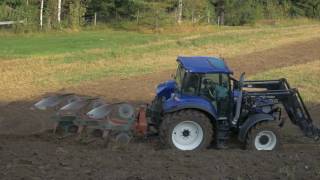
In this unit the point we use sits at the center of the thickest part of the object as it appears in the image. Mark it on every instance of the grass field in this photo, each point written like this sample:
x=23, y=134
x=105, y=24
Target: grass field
x=33, y=64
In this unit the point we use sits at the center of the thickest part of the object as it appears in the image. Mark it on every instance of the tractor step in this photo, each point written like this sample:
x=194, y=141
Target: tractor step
x=222, y=133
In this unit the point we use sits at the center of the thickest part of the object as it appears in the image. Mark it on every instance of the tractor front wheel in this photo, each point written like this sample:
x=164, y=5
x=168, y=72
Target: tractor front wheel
x=186, y=130
x=265, y=136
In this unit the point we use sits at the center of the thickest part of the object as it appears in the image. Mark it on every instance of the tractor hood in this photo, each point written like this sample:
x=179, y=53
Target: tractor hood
x=166, y=89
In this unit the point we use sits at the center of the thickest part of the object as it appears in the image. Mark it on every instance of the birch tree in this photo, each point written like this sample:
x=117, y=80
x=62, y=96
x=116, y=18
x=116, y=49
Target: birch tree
x=59, y=12
x=41, y=14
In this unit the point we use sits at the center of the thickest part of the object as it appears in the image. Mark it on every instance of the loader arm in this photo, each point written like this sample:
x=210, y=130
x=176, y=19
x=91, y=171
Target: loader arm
x=290, y=98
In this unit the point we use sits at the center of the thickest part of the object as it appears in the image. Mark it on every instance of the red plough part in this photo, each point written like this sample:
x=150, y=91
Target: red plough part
x=141, y=125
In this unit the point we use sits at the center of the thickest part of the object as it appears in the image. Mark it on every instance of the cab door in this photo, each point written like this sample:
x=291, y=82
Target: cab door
x=216, y=88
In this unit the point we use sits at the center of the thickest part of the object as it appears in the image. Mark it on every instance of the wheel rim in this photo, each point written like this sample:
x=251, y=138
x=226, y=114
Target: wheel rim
x=265, y=140
x=187, y=135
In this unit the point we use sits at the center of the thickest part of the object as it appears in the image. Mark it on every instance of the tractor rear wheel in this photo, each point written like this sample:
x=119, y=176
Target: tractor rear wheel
x=186, y=130
x=264, y=136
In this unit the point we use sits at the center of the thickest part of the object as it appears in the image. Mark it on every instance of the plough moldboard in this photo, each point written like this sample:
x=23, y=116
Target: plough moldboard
x=75, y=114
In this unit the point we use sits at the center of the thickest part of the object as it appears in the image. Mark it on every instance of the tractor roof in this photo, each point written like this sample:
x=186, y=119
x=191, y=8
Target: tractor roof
x=199, y=64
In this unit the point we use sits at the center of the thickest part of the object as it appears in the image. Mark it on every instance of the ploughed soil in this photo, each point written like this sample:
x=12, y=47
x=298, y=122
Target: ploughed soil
x=27, y=151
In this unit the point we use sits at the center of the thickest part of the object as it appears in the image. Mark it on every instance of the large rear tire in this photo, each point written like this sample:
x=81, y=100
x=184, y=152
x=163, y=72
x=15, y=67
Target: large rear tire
x=186, y=130
x=264, y=136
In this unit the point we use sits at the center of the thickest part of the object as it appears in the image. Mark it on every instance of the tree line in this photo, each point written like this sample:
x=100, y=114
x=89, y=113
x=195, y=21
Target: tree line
x=55, y=14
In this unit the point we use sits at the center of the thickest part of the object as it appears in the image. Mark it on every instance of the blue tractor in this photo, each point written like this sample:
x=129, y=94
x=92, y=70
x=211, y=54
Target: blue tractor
x=205, y=104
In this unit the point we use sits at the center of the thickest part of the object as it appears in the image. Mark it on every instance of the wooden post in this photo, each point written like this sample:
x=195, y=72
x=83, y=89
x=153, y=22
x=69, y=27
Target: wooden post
x=157, y=19
x=138, y=16
x=41, y=14
x=222, y=18
x=192, y=16
x=208, y=16
x=95, y=19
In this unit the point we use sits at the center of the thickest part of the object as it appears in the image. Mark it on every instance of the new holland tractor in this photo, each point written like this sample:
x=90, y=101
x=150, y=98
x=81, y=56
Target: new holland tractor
x=203, y=105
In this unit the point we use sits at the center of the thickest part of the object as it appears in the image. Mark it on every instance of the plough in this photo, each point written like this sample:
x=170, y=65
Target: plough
x=75, y=114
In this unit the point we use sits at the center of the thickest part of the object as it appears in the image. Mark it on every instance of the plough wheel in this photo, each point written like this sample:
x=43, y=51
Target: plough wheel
x=123, y=138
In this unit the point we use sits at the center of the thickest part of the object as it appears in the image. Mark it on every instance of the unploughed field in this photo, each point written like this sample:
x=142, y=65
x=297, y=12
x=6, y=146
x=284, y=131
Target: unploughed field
x=120, y=66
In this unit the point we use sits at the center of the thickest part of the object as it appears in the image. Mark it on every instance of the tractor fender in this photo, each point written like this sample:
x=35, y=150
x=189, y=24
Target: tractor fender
x=177, y=103
x=203, y=109
x=250, y=122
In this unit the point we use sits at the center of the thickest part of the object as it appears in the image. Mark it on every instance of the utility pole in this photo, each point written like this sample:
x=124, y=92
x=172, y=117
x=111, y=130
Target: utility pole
x=59, y=11
x=41, y=14
x=180, y=6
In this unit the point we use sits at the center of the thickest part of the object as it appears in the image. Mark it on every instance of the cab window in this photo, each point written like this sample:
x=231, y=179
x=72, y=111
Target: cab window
x=215, y=87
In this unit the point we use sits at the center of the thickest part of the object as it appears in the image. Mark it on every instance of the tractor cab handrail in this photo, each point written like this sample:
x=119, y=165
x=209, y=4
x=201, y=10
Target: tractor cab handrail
x=239, y=100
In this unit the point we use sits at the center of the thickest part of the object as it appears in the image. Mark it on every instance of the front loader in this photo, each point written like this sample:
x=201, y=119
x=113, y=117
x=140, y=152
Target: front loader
x=201, y=105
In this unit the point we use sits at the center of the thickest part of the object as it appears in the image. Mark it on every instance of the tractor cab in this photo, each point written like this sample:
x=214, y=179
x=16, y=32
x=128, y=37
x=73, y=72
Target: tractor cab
x=203, y=83
x=207, y=78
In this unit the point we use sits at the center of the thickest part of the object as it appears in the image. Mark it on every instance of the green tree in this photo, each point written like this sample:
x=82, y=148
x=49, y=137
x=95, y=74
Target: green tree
x=196, y=10
x=308, y=8
x=76, y=12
